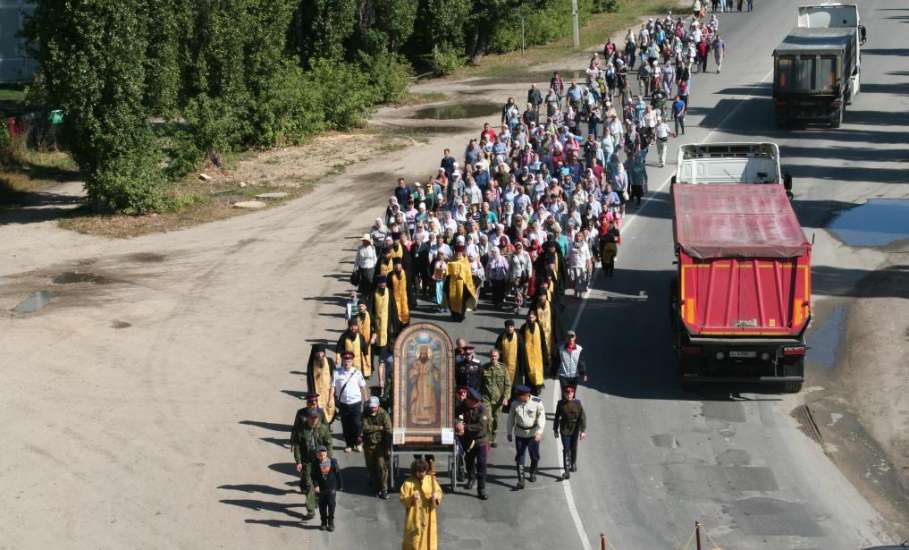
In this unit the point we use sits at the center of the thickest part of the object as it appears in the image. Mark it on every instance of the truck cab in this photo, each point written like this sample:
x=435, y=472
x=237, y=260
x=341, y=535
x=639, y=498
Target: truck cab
x=731, y=162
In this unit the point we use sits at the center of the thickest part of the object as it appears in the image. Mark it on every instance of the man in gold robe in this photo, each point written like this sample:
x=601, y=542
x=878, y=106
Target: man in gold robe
x=401, y=287
x=535, y=353
x=319, y=372
x=364, y=326
x=421, y=496
x=385, y=322
x=460, y=292
x=511, y=354
x=352, y=340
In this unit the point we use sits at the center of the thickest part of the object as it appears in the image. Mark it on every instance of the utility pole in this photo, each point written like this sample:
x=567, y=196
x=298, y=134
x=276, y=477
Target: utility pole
x=575, y=29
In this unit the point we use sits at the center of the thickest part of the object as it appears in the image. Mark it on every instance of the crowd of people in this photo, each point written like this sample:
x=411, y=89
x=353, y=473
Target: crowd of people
x=517, y=221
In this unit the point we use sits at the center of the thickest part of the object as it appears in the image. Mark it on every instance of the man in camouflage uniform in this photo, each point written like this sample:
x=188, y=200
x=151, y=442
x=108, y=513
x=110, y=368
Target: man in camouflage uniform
x=571, y=422
x=305, y=440
x=496, y=391
x=376, y=445
x=472, y=431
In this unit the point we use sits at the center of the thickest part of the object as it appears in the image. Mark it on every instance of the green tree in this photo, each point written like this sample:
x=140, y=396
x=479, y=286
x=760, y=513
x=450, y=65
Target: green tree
x=321, y=28
x=92, y=56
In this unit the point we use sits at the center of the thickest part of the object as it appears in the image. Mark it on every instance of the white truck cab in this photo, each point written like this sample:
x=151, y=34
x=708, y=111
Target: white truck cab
x=836, y=15
x=730, y=162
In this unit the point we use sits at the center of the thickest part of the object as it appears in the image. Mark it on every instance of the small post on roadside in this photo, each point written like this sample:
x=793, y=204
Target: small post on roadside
x=604, y=544
x=523, y=44
x=575, y=29
x=697, y=534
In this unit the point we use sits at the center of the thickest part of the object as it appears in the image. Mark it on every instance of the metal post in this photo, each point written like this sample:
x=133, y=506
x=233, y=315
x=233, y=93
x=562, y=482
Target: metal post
x=523, y=44
x=697, y=533
x=603, y=542
x=576, y=31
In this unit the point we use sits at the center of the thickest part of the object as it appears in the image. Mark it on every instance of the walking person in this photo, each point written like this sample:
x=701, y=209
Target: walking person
x=496, y=391
x=325, y=476
x=421, y=496
x=570, y=425
x=609, y=246
x=526, y=420
x=376, y=428
x=474, y=439
x=679, y=110
x=572, y=367
x=350, y=392
x=365, y=265
x=662, y=133
x=719, y=51
x=305, y=439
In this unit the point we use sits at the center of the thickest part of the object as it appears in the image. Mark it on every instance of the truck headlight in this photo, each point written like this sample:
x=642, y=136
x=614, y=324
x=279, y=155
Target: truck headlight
x=765, y=356
x=720, y=356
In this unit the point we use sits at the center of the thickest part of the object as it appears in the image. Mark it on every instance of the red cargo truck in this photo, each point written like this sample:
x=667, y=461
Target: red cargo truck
x=741, y=300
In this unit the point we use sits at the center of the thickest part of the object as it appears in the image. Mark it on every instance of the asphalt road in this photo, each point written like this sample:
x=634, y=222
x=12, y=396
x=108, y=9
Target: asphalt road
x=151, y=409
x=658, y=459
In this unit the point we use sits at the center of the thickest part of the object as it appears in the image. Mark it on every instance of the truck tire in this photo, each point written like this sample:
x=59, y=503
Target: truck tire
x=837, y=119
x=792, y=387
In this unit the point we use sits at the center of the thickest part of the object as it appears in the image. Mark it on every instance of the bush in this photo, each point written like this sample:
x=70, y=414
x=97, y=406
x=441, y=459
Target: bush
x=389, y=75
x=611, y=6
x=290, y=108
x=445, y=60
x=128, y=184
x=344, y=91
x=216, y=125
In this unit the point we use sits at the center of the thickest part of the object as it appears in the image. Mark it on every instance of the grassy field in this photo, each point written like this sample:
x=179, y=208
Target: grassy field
x=593, y=33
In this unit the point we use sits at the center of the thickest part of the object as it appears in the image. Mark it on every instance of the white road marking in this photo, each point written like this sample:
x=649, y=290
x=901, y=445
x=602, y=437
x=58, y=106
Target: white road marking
x=566, y=485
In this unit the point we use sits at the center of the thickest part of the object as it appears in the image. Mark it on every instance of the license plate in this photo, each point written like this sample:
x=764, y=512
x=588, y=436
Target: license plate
x=743, y=354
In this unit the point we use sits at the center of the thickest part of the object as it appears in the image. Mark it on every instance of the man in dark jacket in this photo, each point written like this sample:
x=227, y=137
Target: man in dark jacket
x=474, y=438
x=570, y=424
x=325, y=476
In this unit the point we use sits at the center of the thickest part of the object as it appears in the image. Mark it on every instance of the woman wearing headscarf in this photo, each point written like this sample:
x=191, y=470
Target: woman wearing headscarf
x=497, y=270
x=319, y=371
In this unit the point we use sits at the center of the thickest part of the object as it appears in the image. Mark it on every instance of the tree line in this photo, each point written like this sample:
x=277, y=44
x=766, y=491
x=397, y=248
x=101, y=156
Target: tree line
x=152, y=88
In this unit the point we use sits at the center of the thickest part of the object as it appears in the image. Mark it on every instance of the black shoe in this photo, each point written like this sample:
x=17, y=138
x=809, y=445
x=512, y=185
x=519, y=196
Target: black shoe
x=574, y=468
x=383, y=494
x=482, y=495
x=494, y=444
x=469, y=484
x=520, y=484
x=532, y=473
x=308, y=516
x=566, y=475
x=331, y=524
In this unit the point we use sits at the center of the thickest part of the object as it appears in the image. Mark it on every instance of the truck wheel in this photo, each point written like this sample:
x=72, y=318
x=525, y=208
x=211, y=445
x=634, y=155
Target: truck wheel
x=838, y=117
x=792, y=387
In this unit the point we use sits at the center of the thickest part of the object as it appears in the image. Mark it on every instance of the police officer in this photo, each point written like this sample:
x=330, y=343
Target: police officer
x=304, y=442
x=468, y=371
x=526, y=420
x=496, y=391
x=570, y=423
x=376, y=428
x=474, y=440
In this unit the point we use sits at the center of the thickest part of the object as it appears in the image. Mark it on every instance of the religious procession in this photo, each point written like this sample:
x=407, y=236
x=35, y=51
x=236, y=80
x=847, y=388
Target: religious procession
x=518, y=223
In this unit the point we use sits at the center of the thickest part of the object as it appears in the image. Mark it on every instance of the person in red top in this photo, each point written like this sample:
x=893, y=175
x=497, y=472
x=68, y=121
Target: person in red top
x=488, y=133
x=702, y=48
x=609, y=246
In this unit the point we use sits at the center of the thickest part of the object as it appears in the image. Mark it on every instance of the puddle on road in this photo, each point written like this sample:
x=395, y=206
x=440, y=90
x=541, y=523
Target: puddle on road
x=76, y=277
x=824, y=342
x=34, y=302
x=878, y=222
x=458, y=111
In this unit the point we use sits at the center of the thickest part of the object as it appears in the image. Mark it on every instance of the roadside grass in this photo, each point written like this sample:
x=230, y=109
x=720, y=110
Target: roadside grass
x=24, y=172
x=192, y=202
x=420, y=98
x=598, y=28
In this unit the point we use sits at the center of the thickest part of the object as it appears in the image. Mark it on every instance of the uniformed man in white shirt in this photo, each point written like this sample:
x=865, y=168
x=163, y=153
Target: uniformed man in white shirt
x=350, y=393
x=662, y=134
x=526, y=420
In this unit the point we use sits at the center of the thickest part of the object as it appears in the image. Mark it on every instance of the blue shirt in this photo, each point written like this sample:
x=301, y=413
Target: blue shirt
x=677, y=106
